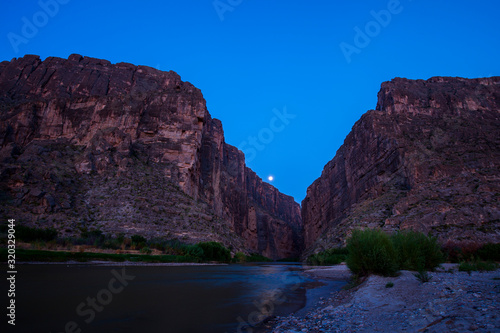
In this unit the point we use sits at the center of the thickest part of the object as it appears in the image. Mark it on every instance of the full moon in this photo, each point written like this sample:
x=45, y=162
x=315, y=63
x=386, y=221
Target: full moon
x=270, y=178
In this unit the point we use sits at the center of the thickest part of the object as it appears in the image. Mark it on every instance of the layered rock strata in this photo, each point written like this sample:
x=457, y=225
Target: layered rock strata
x=427, y=159
x=129, y=149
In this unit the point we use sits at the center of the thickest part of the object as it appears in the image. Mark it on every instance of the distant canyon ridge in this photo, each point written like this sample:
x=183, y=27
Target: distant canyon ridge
x=90, y=145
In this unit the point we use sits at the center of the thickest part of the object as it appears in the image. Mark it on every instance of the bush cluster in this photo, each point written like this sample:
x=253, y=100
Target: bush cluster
x=205, y=251
x=29, y=234
x=255, y=257
x=328, y=257
x=489, y=252
x=373, y=251
x=480, y=266
x=416, y=251
x=469, y=251
x=214, y=251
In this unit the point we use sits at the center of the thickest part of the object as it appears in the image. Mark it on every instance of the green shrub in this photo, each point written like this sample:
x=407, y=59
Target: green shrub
x=328, y=257
x=239, y=257
x=423, y=276
x=255, y=257
x=94, y=237
x=469, y=266
x=466, y=266
x=92, y=234
x=486, y=266
x=137, y=239
x=214, y=251
x=146, y=250
x=29, y=234
x=194, y=251
x=489, y=252
x=416, y=251
x=371, y=251
x=120, y=238
x=111, y=243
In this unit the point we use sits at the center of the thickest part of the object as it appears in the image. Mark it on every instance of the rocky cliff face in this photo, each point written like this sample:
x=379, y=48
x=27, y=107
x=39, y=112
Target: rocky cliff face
x=129, y=149
x=426, y=159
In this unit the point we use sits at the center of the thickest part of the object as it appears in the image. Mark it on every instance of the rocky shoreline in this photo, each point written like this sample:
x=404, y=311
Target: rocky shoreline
x=451, y=301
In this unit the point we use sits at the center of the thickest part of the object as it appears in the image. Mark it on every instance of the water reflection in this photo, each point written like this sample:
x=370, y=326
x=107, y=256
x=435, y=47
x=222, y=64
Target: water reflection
x=159, y=298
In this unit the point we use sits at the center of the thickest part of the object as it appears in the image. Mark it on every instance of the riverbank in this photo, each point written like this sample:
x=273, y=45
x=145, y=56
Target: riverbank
x=119, y=263
x=451, y=301
x=23, y=255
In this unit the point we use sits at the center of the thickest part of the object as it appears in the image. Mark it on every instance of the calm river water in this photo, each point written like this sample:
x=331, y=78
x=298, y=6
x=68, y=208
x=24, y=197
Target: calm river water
x=93, y=298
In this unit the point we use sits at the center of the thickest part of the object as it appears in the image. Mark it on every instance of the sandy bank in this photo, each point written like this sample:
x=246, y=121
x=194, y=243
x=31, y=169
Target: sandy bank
x=451, y=301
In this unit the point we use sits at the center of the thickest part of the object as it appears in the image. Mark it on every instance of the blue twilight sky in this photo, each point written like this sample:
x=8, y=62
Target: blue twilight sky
x=289, y=78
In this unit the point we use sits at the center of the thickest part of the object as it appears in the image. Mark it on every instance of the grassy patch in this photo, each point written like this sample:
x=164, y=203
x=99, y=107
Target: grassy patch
x=480, y=266
x=62, y=256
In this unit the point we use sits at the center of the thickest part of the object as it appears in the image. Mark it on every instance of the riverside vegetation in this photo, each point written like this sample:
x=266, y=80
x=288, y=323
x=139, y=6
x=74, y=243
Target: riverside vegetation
x=367, y=252
x=36, y=244
x=372, y=251
x=380, y=298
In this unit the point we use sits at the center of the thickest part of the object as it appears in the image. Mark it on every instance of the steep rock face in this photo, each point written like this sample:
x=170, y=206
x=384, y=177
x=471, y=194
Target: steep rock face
x=70, y=126
x=426, y=159
x=93, y=103
x=268, y=220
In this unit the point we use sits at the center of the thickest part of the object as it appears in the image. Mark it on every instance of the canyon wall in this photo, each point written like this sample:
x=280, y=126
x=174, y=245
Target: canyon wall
x=87, y=144
x=427, y=159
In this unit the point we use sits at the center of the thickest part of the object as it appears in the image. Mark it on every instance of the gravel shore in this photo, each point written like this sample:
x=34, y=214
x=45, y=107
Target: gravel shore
x=451, y=301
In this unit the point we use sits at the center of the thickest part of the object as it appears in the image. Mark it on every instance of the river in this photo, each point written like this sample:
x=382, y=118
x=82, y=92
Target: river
x=113, y=298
